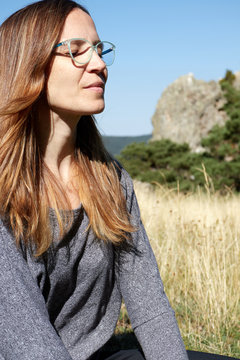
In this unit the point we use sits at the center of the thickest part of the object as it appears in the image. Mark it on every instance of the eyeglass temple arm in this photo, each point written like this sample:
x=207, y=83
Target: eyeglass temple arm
x=61, y=43
x=107, y=51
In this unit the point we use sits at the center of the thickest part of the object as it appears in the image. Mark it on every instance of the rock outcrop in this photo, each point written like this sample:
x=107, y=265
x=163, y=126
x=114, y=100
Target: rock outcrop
x=236, y=82
x=187, y=110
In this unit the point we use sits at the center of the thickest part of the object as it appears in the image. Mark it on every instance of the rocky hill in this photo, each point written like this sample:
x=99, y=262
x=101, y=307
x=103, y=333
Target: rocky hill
x=188, y=109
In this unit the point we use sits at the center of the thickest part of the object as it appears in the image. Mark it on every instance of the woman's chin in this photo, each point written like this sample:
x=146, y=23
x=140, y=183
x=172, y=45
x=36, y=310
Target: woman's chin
x=98, y=109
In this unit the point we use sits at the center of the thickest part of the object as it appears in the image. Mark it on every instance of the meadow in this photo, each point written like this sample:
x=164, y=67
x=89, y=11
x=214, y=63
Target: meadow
x=196, y=240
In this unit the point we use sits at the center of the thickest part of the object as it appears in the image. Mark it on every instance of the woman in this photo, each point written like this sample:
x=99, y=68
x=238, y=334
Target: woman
x=72, y=243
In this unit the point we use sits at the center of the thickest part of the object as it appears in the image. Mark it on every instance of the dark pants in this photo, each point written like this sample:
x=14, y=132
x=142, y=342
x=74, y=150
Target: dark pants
x=121, y=355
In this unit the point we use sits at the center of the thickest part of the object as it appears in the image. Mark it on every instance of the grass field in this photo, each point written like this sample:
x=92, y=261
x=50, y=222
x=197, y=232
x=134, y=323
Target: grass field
x=196, y=240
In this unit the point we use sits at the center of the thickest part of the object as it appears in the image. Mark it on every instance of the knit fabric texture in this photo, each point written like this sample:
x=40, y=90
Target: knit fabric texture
x=65, y=304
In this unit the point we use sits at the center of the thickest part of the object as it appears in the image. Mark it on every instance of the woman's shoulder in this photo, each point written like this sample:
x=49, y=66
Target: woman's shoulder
x=126, y=183
x=5, y=229
x=124, y=178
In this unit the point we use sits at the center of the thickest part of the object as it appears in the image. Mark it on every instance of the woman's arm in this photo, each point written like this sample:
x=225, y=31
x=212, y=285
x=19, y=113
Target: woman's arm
x=25, y=330
x=151, y=315
x=161, y=339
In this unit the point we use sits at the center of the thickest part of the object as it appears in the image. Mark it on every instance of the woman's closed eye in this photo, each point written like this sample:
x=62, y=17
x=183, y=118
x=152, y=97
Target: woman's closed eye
x=79, y=52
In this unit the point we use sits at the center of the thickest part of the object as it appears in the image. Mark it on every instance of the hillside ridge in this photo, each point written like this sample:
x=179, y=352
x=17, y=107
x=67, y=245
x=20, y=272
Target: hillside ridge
x=114, y=144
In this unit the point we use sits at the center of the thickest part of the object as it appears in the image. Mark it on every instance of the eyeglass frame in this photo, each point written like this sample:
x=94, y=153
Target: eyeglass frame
x=93, y=47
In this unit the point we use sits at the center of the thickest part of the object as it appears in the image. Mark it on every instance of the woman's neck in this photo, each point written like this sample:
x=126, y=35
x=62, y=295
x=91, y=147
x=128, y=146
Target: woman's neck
x=56, y=134
x=57, y=137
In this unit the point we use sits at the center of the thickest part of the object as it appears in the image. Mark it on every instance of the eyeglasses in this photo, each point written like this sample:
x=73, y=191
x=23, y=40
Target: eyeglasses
x=81, y=50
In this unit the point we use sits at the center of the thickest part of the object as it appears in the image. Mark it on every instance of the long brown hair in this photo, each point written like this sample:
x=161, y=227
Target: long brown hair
x=27, y=186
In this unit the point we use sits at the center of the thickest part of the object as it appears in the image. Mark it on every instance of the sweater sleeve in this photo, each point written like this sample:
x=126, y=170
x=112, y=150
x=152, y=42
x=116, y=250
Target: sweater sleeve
x=25, y=330
x=151, y=315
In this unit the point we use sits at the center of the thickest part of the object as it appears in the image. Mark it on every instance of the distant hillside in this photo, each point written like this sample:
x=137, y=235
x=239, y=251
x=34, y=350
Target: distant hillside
x=115, y=144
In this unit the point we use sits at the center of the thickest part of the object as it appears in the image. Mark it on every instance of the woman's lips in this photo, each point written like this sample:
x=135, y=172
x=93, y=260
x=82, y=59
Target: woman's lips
x=97, y=87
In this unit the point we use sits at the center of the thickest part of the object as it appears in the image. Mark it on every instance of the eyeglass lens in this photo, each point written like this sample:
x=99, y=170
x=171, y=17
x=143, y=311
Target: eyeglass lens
x=81, y=51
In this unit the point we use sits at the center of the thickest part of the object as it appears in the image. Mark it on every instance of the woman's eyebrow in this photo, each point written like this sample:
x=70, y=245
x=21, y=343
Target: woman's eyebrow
x=96, y=42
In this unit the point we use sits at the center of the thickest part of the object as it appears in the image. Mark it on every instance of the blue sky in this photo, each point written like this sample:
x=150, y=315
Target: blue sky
x=157, y=41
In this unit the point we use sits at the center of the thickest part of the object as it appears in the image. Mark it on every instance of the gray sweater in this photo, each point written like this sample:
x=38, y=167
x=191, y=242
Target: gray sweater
x=65, y=304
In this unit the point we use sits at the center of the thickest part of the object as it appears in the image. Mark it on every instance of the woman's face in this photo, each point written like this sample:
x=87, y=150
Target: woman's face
x=74, y=89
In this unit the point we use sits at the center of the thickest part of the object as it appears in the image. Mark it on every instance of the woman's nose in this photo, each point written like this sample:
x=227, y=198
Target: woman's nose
x=96, y=63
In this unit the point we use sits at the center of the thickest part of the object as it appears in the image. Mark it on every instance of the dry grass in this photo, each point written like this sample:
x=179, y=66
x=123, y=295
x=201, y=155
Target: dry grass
x=196, y=240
